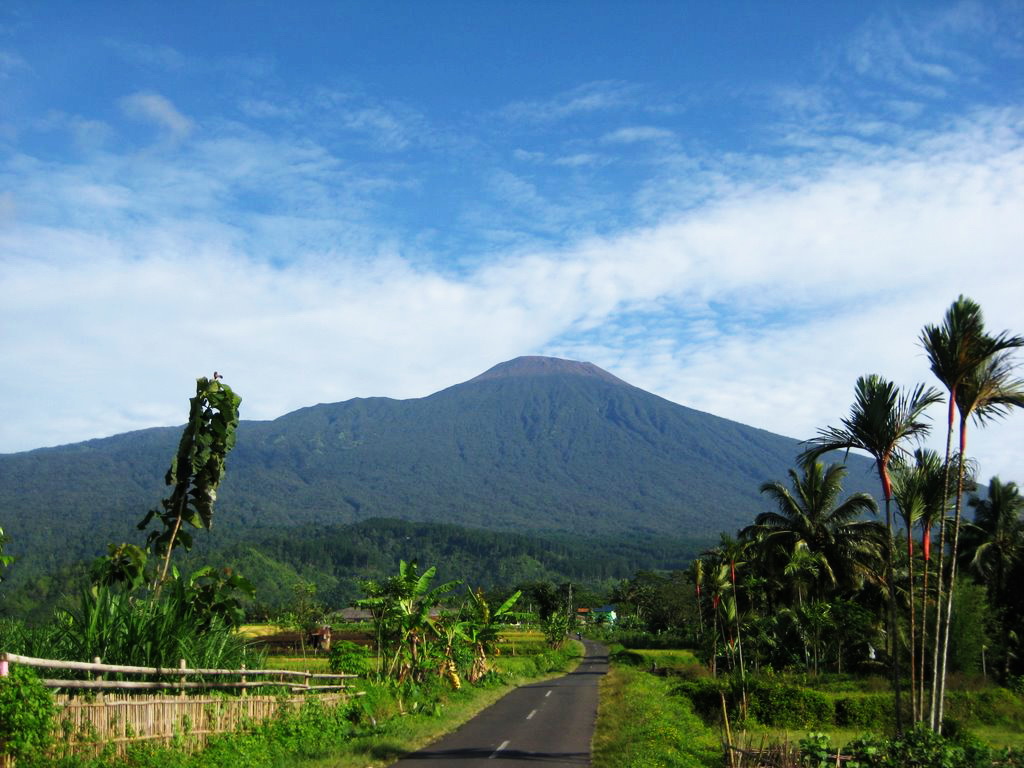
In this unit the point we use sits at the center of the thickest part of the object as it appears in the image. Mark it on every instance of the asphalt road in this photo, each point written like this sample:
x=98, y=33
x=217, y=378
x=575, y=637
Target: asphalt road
x=549, y=724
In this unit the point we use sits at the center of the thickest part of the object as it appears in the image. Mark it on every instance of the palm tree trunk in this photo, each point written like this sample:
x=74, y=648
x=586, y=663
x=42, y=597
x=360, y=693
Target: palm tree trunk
x=947, y=619
x=739, y=641
x=913, y=638
x=934, y=711
x=924, y=628
x=893, y=641
x=700, y=614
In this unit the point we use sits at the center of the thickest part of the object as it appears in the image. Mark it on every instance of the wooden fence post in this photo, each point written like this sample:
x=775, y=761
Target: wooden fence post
x=243, y=680
x=99, y=676
x=4, y=671
x=181, y=678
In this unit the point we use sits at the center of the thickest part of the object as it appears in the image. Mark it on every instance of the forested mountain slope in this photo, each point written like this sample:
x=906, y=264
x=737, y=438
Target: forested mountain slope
x=533, y=445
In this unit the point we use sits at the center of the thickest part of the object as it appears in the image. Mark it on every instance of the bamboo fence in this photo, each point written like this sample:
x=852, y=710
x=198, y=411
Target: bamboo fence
x=119, y=712
x=122, y=719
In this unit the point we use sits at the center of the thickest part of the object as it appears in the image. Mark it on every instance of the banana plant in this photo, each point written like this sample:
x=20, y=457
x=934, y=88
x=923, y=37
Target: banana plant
x=401, y=609
x=481, y=630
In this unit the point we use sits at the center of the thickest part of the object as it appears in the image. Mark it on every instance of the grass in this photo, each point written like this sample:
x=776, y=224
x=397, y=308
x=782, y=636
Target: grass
x=639, y=725
x=671, y=659
x=520, y=642
x=1000, y=736
x=299, y=664
x=258, y=630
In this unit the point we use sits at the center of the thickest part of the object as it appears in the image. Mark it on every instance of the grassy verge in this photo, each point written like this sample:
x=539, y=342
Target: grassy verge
x=639, y=725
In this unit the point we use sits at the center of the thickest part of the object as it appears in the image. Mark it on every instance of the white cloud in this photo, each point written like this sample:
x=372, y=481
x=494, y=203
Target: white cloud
x=579, y=160
x=760, y=299
x=635, y=133
x=156, y=109
x=586, y=99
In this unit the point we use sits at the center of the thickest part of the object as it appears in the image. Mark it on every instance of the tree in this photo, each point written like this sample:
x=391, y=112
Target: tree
x=994, y=546
x=956, y=349
x=922, y=495
x=988, y=392
x=994, y=543
x=136, y=614
x=401, y=612
x=882, y=419
x=481, y=630
x=695, y=573
x=196, y=470
x=812, y=527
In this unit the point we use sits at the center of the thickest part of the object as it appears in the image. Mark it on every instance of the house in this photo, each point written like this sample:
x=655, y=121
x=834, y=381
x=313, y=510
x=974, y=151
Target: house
x=604, y=615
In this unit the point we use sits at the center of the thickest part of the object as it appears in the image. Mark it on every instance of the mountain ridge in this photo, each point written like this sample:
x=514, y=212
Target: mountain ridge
x=537, y=445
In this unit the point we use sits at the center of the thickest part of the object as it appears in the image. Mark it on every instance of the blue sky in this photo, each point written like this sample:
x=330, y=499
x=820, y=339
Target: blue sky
x=740, y=206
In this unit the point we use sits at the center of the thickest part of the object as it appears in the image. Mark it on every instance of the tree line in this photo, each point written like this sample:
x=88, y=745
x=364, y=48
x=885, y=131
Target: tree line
x=818, y=582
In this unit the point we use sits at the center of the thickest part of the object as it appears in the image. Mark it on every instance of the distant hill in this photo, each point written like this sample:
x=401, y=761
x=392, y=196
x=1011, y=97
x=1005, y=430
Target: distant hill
x=536, y=445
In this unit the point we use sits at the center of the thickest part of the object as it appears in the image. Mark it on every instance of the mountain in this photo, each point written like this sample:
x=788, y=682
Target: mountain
x=536, y=445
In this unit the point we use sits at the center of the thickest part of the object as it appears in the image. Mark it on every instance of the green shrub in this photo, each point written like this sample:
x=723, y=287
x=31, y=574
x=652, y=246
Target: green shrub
x=917, y=748
x=26, y=714
x=349, y=658
x=788, y=706
x=995, y=706
x=872, y=711
x=705, y=696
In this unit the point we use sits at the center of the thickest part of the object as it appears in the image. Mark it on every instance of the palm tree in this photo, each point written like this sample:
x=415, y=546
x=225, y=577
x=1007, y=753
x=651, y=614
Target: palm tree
x=922, y=496
x=994, y=543
x=696, y=574
x=881, y=420
x=842, y=547
x=908, y=490
x=955, y=349
x=729, y=556
x=987, y=393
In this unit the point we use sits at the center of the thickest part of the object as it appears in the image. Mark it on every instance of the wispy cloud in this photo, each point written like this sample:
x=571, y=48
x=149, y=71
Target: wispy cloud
x=579, y=160
x=162, y=57
x=586, y=99
x=831, y=270
x=156, y=109
x=11, y=64
x=637, y=133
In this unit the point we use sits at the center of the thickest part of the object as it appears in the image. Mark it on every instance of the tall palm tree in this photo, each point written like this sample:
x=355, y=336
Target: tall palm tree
x=730, y=554
x=882, y=419
x=843, y=547
x=922, y=495
x=908, y=491
x=988, y=392
x=696, y=574
x=955, y=348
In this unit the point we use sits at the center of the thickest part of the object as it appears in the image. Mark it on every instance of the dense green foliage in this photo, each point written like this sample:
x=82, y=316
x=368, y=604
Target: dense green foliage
x=336, y=559
x=26, y=714
x=157, y=630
